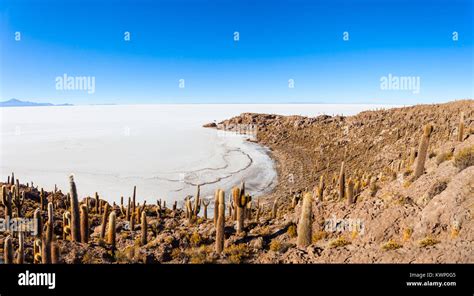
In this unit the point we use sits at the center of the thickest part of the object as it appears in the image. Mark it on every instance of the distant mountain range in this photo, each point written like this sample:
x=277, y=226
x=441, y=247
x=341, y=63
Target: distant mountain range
x=18, y=103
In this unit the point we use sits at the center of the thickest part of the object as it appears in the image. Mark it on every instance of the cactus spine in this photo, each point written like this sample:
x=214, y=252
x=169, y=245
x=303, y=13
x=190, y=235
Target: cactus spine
x=75, y=219
x=423, y=151
x=305, y=222
x=220, y=225
x=144, y=229
x=84, y=224
x=8, y=251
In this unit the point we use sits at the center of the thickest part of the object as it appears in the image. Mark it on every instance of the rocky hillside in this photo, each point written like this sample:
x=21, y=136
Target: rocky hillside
x=382, y=186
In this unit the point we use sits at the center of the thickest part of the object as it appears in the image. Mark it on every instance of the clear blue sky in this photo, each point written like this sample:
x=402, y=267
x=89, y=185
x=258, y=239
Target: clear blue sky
x=279, y=40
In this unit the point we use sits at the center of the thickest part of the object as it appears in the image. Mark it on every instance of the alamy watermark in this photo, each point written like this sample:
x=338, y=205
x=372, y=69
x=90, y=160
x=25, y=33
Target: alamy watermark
x=230, y=130
x=84, y=83
x=401, y=83
x=19, y=225
x=344, y=225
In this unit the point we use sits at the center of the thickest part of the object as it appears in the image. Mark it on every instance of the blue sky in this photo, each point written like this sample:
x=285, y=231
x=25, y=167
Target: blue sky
x=194, y=41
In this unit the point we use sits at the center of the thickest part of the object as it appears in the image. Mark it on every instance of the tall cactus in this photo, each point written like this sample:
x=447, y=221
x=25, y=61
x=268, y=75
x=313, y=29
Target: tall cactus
x=21, y=248
x=305, y=222
x=45, y=251
x=7, y=202
x=205, y=203
x=84, y=224
x=321, y=188
x=216, y=207
x=111, y=232
x=197, y=202
x=461, y=128
x=42, y=199
x=8, y=250
x=240, y=201
x=18, y=200
x=220, y=225
x=75, y=218
x=423, y=151
x=143, y=239
x=55, y=253
x=97, y=203
x=350, y=192
x=103, y=226
x=50, y=228
x=38, y=223
x=342, y=181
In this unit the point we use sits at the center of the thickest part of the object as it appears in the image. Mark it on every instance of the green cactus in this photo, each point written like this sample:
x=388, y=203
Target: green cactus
x=305, y=222
x=18, y=200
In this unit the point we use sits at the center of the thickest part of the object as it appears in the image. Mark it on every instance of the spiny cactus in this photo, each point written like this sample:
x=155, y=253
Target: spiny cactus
x=461, y=128
x=8, y=250
x=111, y=231
x=127, y=215
x=216, y=206
x=37, y=251
x=42, y=199
x=205, y=203
x=240, y=201
x=12, y=179
x=105, y=215
x=197, y=202
x=342, y=181
x=275, y=209
x=18, y=200
x=305, y=222
x=49, y=234
x=132, y=221
x=75, y=218
x=97, y=203
x=373, y=186
x=45, y=251
x=84, y=224
x=143, y=239
x=55, y=254
x=7, y=202
x=423, y=151
x=350, y=192
x=21, y=248
x=38, y=223
x=133, y=198
x=321, y=188
x=66, y=224
x=220, y=225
